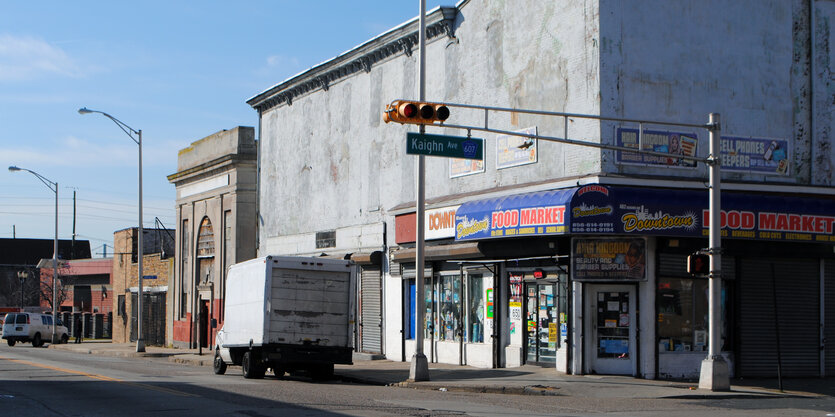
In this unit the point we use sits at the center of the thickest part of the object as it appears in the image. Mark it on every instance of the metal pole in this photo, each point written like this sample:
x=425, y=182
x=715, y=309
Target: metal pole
x=714, y=373
x=140, y=342
x=55, y=272
x=419, y=370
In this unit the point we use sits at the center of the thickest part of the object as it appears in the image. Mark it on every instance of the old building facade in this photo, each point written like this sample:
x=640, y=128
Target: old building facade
x=157, y=268
x=216, y=193
x=568, y=256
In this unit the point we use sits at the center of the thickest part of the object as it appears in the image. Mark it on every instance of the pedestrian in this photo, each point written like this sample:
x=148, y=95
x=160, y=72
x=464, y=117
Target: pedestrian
x=77, y=328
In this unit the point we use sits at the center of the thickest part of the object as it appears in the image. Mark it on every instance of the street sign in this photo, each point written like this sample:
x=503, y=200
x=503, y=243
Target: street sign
x=444, y=145
x=149, y=277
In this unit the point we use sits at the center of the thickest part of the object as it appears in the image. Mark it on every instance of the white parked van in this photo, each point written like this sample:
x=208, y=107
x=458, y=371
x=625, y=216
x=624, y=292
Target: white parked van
x=32, y=327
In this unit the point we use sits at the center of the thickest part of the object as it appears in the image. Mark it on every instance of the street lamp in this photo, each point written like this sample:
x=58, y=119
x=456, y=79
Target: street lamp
x=54, y=187
x=136, y=136
x=22, y=275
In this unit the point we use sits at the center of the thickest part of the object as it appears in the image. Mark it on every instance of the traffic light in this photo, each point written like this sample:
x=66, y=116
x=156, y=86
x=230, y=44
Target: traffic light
x=698, y=264
x=415, y=112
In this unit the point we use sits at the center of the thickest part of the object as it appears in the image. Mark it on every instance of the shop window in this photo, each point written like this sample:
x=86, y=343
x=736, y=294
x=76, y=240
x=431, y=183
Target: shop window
x=682, y=307
x=449, y=308
x=429, y=322
x=477, y=308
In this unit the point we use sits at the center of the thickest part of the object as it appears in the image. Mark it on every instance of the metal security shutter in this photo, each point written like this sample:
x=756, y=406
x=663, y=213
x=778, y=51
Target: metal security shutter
x=371, y=319
x=829, y=316
x=797, y=284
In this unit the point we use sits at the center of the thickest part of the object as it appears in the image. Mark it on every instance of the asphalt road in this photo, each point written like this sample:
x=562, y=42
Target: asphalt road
x=51, y=382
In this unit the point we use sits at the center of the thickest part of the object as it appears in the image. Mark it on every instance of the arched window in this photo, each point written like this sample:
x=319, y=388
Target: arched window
x=205, y=239
x=205, y=252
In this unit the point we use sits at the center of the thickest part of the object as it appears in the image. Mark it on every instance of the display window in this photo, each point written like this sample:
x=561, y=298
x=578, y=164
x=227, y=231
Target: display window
x=477, y=308
x=449, y=308
x=682, y=308
x=456, y=307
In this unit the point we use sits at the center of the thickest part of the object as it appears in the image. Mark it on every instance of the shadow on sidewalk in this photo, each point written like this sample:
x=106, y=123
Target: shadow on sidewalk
x=820, y=386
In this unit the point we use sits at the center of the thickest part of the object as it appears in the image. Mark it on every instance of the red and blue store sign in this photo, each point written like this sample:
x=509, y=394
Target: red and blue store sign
x=599, y=209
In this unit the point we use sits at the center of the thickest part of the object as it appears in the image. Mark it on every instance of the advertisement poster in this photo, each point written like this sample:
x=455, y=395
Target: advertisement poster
x=515, y=288
x=513, y=151
x=621, y=259
x=674, y=143
x=766, y=156
x=459, y=167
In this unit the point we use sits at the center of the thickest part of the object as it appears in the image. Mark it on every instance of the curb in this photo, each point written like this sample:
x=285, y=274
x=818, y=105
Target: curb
x=540, y=390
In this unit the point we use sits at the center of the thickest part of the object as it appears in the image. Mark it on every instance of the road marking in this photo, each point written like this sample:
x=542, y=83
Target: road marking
x=102, y=378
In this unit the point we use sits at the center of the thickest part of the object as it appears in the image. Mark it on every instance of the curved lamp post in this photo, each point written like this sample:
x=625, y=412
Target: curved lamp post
x=136, y=136
x=54, y=187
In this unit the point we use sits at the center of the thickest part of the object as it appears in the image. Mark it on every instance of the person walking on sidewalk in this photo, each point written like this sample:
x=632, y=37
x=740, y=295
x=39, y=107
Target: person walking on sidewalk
x=77, y=329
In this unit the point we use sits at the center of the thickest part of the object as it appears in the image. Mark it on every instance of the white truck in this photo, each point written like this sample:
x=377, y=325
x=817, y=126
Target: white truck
x=289, y=314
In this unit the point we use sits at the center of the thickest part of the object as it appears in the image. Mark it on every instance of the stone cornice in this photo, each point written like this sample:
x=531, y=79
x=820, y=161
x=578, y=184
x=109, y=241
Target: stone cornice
x=398, y=40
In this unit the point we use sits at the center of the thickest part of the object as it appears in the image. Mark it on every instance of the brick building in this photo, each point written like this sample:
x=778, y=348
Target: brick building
x=158, y=264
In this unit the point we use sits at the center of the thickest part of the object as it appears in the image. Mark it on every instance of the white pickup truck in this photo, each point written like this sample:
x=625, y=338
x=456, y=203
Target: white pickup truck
x=288, y=314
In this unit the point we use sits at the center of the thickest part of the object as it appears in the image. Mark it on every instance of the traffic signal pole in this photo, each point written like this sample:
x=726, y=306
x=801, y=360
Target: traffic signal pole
x=419, y=369
x=715, y=375
x=714, y=371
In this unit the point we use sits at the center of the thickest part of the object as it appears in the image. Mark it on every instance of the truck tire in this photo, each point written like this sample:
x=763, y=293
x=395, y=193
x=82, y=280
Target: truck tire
x=251, y=368
x=10, y=342
x=36, y=341
x=218, y=365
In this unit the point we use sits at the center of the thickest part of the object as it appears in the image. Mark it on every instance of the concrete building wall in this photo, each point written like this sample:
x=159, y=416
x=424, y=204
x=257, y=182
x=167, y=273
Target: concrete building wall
x=747, y=60
x=349, y=168
x=328, y=162
x=215, y=181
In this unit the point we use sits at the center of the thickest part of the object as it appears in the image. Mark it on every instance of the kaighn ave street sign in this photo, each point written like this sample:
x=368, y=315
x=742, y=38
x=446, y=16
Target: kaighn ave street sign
x=445, y=146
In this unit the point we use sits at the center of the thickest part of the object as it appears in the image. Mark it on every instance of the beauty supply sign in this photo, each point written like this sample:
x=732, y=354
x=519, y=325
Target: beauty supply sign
x=607, y=259
x=673, y=143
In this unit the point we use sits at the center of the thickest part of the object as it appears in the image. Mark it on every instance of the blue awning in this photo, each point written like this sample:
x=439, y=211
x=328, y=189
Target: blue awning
x=541, y=213
x=642, y=211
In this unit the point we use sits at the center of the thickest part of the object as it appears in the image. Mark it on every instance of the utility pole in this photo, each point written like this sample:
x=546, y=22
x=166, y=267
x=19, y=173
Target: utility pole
x=419, y=370
x=72, y=250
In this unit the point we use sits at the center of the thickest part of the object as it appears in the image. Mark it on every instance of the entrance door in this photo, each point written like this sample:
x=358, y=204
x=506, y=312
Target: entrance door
x=541, y=323
x=611, y=310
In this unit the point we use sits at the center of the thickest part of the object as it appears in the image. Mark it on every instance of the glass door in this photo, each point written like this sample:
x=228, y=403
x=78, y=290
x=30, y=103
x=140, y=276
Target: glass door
x=613, y=329
x=541, y=323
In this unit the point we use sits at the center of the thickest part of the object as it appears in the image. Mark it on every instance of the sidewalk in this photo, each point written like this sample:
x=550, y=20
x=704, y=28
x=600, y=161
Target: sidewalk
x=529, y=380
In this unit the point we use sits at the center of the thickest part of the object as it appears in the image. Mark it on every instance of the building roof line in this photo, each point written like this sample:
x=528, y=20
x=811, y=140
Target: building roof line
x=402, y=38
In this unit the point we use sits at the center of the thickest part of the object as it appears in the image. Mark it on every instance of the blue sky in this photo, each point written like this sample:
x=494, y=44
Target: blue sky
x=177, y=70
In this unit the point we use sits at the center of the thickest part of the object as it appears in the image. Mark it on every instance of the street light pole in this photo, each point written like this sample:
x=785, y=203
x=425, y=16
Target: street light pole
x=136, y=136
x=22, y=275
x=54, y=187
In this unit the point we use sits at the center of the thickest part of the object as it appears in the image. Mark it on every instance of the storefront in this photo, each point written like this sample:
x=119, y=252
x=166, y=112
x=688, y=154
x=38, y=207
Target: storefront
x=617, y=299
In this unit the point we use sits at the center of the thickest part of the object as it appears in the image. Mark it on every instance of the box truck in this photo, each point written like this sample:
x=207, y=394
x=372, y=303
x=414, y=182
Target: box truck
x=289, y=314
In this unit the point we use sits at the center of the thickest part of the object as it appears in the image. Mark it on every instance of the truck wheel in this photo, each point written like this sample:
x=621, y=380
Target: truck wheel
x=218, y=365
x=65, y=339
x=252, y=369
x=279, y=371
x=36, y=341
x=10, y=342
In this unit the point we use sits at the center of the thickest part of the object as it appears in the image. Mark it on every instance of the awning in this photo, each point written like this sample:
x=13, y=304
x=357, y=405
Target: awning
x=619, y=210
x=540, y=213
